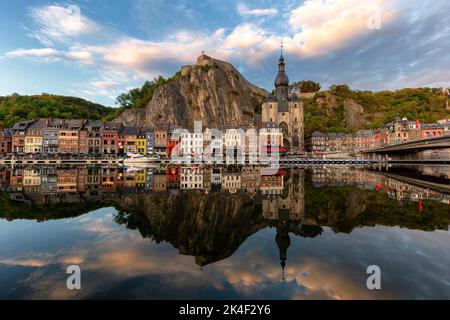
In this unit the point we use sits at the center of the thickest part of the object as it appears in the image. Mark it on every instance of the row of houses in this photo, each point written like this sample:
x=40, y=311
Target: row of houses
x=81, y=137
x=70, y=136
x=401, y=130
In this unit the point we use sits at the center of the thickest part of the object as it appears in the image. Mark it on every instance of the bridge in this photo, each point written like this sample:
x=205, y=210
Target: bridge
x=413, y=152
x=414, y=146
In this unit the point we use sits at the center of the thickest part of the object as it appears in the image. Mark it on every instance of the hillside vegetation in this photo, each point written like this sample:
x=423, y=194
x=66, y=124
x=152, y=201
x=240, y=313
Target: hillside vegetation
x=327, y=110
x=16, y=108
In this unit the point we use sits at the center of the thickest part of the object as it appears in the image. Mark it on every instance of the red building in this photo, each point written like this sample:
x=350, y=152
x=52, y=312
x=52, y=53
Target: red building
x=173, y=139
x=5, y=142
x=110, y=137
x=18, y=136
x=431, y=130
x=173, y=177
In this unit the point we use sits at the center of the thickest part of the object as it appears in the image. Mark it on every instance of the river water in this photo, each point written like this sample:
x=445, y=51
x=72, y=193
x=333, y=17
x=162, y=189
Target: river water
x=225, y=233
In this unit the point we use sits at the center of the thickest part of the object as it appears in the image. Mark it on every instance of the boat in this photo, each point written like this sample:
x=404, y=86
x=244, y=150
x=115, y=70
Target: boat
x=139, y=159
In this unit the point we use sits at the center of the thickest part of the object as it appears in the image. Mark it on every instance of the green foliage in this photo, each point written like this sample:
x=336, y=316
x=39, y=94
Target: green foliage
x=16, y=108
x=13, y=210
x=380, y=108
x=346, y=208
x=140, y=97
x=307, y=86
x=208, y=67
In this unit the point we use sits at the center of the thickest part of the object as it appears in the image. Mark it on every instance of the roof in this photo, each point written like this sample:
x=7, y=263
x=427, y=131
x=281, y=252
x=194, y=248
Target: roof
x=111, y=126
x=39, y=124
x=21, y=125
x=94, y=124
x=5, y=133
x=318, y=134
x=365, y=133
x=129, y=131
x=295, y=98
x=271, y=98
x=432, y=126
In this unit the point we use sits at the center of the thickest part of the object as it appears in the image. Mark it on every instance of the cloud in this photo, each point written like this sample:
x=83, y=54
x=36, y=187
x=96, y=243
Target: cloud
x=52, y=55
x=325, y=40
x=103, y=84
x=43, y=54
x=323, y=26
x=245, y=11
x=56, y=23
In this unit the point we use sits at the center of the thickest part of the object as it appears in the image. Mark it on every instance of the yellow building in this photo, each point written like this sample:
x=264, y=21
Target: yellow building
x=33, y=137
x=141, y=140
x=33, y=144
x=139, y=178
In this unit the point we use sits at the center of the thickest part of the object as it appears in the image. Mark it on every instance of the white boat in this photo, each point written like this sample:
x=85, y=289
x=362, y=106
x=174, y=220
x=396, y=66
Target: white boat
x=139, y=159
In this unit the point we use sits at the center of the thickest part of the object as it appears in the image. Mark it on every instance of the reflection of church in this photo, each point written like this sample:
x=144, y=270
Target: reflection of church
x=286, y=110
x=286, y=211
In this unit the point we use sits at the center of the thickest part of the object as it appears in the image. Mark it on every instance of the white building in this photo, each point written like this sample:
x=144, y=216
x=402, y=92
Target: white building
x=191, y=178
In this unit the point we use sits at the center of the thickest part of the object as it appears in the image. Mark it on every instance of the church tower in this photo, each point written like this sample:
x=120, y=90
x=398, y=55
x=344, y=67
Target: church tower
x=285, y=109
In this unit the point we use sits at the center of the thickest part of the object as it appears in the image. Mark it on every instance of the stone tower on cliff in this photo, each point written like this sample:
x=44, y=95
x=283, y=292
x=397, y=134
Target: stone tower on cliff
x=286, y=110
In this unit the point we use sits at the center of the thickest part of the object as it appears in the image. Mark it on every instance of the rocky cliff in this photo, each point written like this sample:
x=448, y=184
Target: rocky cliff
x=344, y=110
x=211, y=91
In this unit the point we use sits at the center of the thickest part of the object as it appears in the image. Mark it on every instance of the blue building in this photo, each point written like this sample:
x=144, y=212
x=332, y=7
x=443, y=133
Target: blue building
x=150, y=141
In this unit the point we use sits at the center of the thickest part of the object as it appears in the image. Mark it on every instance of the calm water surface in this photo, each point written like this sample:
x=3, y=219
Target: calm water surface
x=203, y=233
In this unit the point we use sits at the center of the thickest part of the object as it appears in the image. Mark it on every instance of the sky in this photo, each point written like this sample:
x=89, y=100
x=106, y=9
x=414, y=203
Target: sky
x=97, y=49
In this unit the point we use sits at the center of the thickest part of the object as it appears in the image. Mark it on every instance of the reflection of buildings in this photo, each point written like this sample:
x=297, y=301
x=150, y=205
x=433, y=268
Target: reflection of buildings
x=394, y=187
x=158, y=201
x=278, y=190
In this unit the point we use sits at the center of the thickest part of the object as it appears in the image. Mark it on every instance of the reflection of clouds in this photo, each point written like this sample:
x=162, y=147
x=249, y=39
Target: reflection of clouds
x=333, y=266
x=24, y=263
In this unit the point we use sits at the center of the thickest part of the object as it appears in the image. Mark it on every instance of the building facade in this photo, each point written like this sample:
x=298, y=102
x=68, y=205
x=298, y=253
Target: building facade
x=110, y=137
x=286, y=110
x=5, y=142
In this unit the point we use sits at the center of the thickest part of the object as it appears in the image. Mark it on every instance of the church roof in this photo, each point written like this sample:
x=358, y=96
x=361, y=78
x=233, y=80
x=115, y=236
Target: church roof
x=271, y=98
x=282, y=79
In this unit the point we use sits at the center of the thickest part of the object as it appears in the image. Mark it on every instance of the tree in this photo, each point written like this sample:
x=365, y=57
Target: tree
x=340, y=89
x=307, y=86
x=140, y=97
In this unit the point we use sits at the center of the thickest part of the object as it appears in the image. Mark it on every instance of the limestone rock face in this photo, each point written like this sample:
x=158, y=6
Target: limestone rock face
x=210, y=91
x=354, y=115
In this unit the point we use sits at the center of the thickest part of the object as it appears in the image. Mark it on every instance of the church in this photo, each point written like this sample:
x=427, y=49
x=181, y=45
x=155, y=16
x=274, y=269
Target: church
x=285, y=109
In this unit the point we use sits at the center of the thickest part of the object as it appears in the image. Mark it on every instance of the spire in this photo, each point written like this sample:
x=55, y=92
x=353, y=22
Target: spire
x=283, y=242
x=281, y=47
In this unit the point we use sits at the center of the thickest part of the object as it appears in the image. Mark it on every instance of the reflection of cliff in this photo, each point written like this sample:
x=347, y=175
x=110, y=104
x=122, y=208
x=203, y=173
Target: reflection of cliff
x=209, y=227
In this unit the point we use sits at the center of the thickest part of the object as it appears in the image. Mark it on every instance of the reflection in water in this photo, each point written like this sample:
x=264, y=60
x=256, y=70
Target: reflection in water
x=223, y=217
